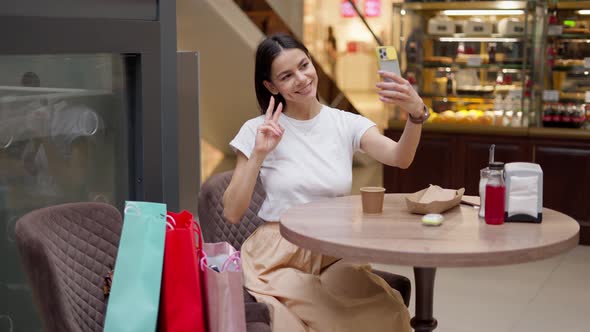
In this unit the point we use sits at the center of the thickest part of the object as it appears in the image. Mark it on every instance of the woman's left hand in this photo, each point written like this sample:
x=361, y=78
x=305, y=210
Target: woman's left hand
x=400, y=92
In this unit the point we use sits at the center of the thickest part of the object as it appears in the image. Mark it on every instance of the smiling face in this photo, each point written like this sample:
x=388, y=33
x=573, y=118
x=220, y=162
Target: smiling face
x=293, y=76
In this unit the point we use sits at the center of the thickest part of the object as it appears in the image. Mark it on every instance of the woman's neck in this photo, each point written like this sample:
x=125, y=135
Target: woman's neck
x=300, y=111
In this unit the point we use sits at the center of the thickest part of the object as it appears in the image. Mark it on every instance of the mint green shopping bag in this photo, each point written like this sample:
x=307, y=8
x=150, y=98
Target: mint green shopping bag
x=135, y=292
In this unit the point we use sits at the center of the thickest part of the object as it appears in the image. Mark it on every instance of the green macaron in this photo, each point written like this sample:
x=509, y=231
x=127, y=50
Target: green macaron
x=432, y=219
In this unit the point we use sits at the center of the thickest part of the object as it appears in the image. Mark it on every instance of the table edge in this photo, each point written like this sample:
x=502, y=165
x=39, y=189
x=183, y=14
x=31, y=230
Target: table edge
x=378, y=256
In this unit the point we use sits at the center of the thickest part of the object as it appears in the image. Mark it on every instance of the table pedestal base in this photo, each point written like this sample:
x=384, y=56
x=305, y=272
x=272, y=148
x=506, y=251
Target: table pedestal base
x=423, y=321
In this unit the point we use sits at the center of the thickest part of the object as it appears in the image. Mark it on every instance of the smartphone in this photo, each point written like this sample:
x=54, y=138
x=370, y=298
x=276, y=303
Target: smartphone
x=388, y=61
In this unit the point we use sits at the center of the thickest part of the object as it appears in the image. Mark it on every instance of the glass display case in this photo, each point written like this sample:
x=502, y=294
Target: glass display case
x=65, y=136
x=566, y=49
x=472, y=62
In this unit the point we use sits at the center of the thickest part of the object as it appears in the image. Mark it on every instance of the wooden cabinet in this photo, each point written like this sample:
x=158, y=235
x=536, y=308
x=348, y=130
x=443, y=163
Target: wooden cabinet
x=453, y=160
x=434, y=163
x=566, y=177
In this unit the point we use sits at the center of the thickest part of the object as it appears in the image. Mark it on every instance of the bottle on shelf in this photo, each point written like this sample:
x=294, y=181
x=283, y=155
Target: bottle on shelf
x=412, y=52
x=492, y=53
x=500, y=78
x=450, y=84
x=553, y=19
x=579, y=116
x=566, y=117
x=460, y=48
x=550, y=56
x=548, y=111
x=558, y=114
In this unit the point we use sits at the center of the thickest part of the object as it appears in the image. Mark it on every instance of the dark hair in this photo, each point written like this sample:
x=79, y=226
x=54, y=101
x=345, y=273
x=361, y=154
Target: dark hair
x=266, y=53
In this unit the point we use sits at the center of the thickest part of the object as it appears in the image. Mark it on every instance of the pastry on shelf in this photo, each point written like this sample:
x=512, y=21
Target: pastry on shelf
x=568, y=62
x=439, y=59
x=571, y=95
x=475, y=89
x=576, y=31
x=506, y=88
x=463, y=58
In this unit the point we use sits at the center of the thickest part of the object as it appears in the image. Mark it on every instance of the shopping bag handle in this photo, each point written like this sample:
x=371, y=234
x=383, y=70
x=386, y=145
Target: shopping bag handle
x=203, y=261
x=200, y=234
x=172, y=223
x=131, y=206
x=233, y=258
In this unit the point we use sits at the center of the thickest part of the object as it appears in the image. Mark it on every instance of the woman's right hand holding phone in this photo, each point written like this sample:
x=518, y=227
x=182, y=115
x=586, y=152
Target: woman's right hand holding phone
x=269, y=134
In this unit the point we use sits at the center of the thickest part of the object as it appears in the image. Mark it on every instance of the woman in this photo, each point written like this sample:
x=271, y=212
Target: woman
x=332, y=52
x=303, y=151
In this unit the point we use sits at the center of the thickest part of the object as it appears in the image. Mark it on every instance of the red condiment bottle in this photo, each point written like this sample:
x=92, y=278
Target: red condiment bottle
x=495, y=194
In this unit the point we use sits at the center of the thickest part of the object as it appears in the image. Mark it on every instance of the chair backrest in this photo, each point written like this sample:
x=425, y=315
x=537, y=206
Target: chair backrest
x=210, y=211
x=66, y=251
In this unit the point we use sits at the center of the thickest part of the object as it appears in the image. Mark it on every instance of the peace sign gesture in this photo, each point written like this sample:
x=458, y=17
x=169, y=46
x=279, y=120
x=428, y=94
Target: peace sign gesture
x=269, y=134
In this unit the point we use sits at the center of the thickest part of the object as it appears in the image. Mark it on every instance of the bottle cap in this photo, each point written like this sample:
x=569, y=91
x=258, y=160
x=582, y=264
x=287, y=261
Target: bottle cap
x=496, y=165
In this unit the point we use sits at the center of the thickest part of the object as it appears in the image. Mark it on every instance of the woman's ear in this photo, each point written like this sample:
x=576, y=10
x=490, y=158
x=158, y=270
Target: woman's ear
x=271, y=87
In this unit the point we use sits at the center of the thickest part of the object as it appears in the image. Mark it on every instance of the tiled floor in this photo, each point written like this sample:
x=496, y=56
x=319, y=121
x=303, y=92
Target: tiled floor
x=545, y=296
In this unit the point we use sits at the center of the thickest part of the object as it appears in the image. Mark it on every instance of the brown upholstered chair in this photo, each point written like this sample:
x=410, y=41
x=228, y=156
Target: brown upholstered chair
x=66, y=251
x=216, y=228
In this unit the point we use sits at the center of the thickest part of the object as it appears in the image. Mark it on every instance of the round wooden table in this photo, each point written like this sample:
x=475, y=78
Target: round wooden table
x=338, y=227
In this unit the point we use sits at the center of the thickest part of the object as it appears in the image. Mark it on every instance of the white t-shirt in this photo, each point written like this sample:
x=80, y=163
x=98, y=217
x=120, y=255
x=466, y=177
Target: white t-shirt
x=313, y=159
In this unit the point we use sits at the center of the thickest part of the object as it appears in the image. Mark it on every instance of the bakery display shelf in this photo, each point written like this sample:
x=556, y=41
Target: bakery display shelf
x=571, y=100
x=571, y=69
x=464, y=5
x=490, y=67
x=491, y=38
x=579, y=37
x=573, y=4
x=461, y=97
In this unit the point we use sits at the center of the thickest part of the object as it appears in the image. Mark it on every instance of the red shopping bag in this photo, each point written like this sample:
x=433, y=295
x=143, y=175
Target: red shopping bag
x=181, y=302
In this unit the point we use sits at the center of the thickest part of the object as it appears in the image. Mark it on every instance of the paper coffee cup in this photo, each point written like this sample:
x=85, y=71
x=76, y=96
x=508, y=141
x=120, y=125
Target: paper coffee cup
x=372, y=199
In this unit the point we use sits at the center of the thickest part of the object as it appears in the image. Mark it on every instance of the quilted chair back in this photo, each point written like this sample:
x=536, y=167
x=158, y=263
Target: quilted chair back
x=66, y=251
x=210, y=211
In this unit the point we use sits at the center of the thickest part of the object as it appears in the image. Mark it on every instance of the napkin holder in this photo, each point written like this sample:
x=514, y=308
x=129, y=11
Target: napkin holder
x=524, y=192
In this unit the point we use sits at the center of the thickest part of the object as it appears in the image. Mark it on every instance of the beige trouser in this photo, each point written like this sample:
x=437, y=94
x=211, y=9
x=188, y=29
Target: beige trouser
x=312, y=292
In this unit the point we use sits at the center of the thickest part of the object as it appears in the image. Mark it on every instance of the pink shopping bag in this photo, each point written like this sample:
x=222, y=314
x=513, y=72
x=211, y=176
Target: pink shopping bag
x=224, y=287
